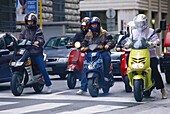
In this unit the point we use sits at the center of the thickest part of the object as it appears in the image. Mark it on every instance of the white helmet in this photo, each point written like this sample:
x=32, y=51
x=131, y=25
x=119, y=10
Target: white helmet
x=141, y=22
x=130, y=27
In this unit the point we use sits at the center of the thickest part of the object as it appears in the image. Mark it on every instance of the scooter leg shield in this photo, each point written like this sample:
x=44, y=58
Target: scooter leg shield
x=92, y=74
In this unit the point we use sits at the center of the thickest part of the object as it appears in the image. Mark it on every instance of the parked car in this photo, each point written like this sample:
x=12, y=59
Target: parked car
x=5, y=56
x=57, y=54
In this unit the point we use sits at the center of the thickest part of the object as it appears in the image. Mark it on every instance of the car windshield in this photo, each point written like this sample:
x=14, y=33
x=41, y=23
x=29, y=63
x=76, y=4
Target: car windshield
x=58, y=43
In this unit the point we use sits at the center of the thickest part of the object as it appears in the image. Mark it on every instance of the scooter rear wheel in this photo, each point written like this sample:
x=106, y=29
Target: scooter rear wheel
x=127, y=86
x=16, y=84
x=71, y=80
x=167, y=74
x=138, y=89
x=106, y=89
x=93, y=90
x=38, y=87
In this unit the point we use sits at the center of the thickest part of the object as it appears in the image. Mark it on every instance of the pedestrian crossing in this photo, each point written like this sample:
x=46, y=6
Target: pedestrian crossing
x=57, y=102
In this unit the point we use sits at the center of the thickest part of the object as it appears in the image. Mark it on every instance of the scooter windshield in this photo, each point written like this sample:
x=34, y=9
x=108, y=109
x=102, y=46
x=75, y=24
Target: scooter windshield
x=140, y=43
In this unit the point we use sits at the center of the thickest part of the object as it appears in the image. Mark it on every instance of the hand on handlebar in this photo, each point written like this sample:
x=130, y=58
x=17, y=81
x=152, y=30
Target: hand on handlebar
x=36, y=43
x=155, y=43
x=106, y=47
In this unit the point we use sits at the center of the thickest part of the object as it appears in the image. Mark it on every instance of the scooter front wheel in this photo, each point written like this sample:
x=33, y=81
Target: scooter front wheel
x=138, y=89
x=93, y=90
x=16, y=84
x=71, y=80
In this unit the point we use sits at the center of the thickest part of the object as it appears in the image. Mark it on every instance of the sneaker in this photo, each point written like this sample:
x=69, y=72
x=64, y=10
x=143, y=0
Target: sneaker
x=49, y=89
x=164, y=96
x=80, y=92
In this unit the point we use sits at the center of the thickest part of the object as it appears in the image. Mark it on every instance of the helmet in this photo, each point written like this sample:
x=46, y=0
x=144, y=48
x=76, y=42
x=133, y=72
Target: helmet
x=85, y=21
x=130, y=27
x=95, y=20
x=30, y=17
x=141, y=22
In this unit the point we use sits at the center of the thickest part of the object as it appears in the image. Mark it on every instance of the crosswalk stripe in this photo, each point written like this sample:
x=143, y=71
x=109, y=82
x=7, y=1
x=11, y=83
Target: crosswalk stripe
x=7, y=103
x=94, y=109
x=73, y=97
x=33, y=108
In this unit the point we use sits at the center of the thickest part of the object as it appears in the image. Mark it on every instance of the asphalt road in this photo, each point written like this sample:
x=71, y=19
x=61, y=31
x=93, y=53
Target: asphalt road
x=65, y=101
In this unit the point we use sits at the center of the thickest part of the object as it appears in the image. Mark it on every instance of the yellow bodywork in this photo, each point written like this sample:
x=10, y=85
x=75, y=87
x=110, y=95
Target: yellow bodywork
x=136, y=58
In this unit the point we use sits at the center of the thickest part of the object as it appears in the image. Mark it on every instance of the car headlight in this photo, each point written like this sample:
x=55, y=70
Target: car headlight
x=63, y=60
x=166, y=49
x=137, y=65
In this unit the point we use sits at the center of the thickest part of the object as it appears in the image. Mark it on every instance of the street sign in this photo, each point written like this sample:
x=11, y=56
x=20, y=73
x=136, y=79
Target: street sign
x=110, y=13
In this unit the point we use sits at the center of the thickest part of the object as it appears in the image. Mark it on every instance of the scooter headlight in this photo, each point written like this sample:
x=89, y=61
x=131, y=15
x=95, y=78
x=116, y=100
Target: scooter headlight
x=137, y=65
x=90, y=66
x=141, y=65
x=134, y=65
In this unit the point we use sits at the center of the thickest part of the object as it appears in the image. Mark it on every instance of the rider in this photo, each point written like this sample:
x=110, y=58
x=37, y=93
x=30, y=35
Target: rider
x=130, y=27
x=97, y=35
x=84, y=29
x=142, y=29
x=36, y=54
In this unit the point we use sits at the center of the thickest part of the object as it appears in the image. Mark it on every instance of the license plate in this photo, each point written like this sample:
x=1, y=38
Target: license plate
x=49, y=68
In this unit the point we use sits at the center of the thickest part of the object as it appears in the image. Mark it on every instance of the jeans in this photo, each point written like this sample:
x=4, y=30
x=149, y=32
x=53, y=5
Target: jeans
x=106, y=63
x=40, y=62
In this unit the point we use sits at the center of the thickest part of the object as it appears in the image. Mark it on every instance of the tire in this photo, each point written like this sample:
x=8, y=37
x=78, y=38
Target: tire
x=167, y=74
x=38, y=87
x=71, y=81
x=62, y=76
x=138, y=90
x=128, y=88
x=15, y=84
x=106, y=89
x=93, y=90
x=147, y=93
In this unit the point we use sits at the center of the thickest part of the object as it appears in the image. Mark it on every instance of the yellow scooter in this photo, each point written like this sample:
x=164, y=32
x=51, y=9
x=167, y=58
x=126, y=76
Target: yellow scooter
x=139, y=71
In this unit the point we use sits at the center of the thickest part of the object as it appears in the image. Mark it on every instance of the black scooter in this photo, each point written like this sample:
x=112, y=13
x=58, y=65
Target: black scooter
x=25, y=73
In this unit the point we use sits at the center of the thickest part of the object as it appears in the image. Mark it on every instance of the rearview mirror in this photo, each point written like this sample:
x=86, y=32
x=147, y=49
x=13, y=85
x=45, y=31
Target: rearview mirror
x=158, y=30
x=122, y=32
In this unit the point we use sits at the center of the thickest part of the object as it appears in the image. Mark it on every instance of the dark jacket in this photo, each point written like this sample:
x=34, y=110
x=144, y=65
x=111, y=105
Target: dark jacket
x=100, y=39
x=119, y=43
x=79, y=36
x=29, y=34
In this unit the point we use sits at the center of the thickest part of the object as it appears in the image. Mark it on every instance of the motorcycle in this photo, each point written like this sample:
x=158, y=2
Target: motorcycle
x=93, y=67
x=124, y=62
x=139, y=71
x=25, y=72
x=75, y=66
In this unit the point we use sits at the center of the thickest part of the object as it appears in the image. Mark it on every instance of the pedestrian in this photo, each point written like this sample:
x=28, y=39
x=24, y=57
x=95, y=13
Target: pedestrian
x=36, y=53
x=97, y=35
x=143, y=30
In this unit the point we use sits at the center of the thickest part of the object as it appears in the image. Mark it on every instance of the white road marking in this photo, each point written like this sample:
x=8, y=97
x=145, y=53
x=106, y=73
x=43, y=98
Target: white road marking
x=7, y=103
x=71, y=97
x=94, y=109
x=33, y=108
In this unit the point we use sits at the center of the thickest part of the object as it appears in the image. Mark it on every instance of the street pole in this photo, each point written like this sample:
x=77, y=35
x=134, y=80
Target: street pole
x=41, y=14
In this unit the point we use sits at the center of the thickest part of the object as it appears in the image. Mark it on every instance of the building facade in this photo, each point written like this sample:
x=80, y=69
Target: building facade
x=125, y=11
